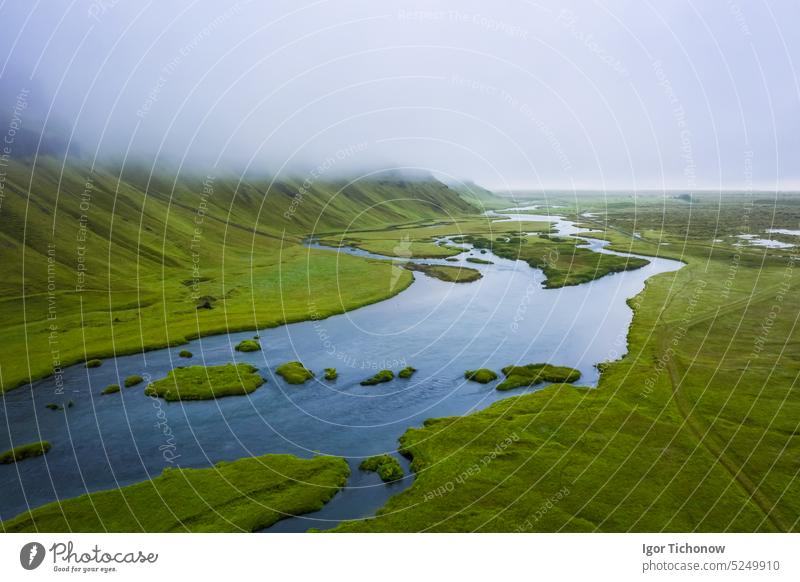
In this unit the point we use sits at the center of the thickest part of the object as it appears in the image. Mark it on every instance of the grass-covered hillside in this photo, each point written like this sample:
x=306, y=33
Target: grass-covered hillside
x=122, y=264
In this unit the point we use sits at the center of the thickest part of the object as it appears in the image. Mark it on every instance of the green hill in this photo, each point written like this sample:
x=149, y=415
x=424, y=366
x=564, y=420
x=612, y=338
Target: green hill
x=479, y=196
x=125, y=261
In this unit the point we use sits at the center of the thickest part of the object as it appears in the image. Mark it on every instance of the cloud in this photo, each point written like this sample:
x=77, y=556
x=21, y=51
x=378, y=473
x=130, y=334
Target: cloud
x=509, y=94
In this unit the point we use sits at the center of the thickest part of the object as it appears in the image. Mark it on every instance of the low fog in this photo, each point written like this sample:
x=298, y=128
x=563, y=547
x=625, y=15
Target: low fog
x=510, y=94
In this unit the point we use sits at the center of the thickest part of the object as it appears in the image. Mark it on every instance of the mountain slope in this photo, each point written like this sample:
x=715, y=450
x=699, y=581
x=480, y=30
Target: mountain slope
x=121, y=265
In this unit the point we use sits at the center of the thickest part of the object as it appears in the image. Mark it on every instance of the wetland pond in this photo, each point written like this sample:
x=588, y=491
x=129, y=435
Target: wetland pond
x=439, y=328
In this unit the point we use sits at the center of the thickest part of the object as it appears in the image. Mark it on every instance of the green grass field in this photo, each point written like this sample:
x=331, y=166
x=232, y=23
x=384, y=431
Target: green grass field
x=695, y=429
x=96, y=264
x=244, y=495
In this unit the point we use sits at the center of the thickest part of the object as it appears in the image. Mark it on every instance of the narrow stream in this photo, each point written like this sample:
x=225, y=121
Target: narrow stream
x=440, y=328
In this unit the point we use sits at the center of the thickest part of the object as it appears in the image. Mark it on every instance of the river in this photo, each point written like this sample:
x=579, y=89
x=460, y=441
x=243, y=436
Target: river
x=440, y=328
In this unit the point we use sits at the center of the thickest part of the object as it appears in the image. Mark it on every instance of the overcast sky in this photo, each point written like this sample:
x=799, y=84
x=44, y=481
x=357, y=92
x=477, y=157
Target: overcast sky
x=509, y=93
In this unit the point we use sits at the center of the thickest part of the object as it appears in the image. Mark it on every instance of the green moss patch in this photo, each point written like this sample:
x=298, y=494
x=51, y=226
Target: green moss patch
x=243, y=495
x=206, y=382
x=481, y=375
x=406, y=372
x=534, y=374
x=23, y=452
x=379, y=378
x=386, y=466
x=446, y=272
x=248, y=345
x=331, y=374
x=185, y=354
x=133, y=380
x=110, y=389
x=95, y=363
x=294, y=372
x=478, y=261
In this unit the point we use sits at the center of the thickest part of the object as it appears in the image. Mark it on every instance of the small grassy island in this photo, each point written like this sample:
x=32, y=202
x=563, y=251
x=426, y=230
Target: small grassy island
x=331, y=374
x=445, y=272
x=23, y=452
x=379, y=378
x=534, y=374
x=244, y=495
x=185, y=354
x=206, y=382
x=110, y=389
x=406, y=372
x=95, y=363
x=386, y=466
x=248, y=345
x=133, y=380
x=481, y=375
x=479, y=261
x=294, y=372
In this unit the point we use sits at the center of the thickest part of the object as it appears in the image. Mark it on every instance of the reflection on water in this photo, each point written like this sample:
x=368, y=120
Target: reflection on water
x=442, y=329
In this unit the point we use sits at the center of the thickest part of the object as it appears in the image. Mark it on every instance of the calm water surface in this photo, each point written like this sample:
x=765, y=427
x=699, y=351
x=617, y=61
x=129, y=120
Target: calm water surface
x=442, y=329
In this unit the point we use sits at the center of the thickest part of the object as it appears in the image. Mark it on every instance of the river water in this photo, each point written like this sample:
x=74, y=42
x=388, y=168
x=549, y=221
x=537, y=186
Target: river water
x=440, y=328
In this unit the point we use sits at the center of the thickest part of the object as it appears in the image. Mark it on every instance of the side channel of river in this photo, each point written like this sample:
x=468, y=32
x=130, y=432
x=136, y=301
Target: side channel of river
x=442, y=329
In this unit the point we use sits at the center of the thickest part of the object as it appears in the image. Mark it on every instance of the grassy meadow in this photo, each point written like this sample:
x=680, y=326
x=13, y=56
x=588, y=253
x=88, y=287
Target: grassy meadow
x=98, y=263
x=243, y=495
x=695, y=429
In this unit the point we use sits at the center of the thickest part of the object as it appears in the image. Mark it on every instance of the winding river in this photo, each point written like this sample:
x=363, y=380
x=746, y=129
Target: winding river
x=439, y=328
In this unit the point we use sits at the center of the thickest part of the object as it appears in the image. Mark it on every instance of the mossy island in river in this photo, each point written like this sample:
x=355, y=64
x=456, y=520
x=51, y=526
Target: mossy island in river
x=243, y=495
x=206, y=382
x=294, y=372
x=387, y=467
x=23, y=452
x=248, y=345
x=481, y=375
x=94, y=363
x=110, y=389
x=445, y=272
x=185, y=354
x=533, y=374
x=379, y=378
x=331, y=374
x=406, y=372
